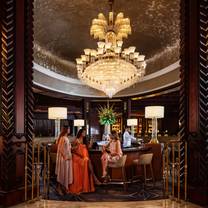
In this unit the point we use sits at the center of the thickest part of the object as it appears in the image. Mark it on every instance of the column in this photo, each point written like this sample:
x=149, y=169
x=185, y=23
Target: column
x=16, y=96
x=193, y=112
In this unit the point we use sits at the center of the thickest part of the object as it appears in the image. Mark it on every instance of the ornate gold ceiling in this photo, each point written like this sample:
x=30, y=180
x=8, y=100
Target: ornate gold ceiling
x=62, y=31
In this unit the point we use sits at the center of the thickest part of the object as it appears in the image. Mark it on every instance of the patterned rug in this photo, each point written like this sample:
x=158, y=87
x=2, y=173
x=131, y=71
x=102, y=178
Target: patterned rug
x=114, y=193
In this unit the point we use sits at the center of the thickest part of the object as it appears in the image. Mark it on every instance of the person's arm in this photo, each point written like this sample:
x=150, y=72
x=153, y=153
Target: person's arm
x=132, y=138
x=105, y=147
x=65, y=149
x=118, y=149
x=74, y=148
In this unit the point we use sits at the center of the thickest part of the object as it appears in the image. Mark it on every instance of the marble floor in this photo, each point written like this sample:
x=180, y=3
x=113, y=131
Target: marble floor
x=139, y=204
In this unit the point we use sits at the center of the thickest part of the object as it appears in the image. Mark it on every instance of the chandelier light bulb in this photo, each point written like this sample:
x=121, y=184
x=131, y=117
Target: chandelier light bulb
x=100, y=51
x=141, y=58
x=83, y=57
x=132, y=49
x=117, y=50
x=79, y=60
x=108, y=45
x=101, y=44
x=136, y=55
x=87, y=51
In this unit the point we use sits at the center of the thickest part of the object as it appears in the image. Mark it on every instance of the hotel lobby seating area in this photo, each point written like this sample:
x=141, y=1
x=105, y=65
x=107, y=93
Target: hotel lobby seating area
x=103, y=103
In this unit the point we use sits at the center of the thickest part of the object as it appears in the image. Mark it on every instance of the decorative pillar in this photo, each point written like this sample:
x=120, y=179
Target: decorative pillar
x=194, y=96
x=16, y=97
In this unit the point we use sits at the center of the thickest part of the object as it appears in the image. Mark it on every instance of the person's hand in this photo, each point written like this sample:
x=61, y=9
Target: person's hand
x=86, y=158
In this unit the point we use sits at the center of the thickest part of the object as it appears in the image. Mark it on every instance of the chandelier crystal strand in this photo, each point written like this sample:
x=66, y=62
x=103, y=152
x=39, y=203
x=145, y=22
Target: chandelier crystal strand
x=110, y=68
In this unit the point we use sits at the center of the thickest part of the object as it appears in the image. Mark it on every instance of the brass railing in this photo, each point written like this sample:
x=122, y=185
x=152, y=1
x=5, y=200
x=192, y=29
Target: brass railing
x=40, y=183
x=175, y=169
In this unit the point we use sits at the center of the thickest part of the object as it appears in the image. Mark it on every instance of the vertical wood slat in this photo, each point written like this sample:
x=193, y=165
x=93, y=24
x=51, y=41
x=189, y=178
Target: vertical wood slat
x=184, y=65
x=19, y=75
x=28, y=67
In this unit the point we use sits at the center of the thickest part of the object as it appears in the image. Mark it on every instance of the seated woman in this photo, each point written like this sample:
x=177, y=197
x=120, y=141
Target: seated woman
x=115, y=152
x=63, y=161
x=82, y=177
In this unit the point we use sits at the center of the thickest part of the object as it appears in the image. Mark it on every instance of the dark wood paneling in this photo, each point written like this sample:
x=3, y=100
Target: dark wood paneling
x=19, y=80
x=193, y=96
x=193, y=74
x=16, y=96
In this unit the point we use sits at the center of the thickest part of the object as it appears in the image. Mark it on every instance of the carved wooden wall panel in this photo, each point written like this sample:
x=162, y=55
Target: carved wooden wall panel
x=7, y=89
x=203, y=83
x=194, y=95
x=29, y=102
x=16, y=17
x=183, y=80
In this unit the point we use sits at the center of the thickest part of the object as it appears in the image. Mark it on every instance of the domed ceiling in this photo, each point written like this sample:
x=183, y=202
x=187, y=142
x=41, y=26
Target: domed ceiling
x=61, y=32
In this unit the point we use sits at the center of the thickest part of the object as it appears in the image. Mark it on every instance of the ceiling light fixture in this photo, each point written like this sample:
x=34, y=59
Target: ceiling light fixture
x=110, y=68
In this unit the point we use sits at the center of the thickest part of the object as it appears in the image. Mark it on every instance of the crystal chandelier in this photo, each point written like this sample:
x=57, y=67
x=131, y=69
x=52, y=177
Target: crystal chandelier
x=110, y=68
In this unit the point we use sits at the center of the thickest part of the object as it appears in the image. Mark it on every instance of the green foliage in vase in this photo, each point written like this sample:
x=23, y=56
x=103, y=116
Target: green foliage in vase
x=106, y=115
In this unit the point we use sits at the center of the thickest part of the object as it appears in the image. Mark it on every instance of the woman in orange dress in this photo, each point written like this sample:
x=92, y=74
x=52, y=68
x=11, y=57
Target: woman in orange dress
x=115, y=152
x=82, y=177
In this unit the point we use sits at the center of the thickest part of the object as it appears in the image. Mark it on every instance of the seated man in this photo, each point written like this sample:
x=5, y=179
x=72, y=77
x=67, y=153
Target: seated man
x=128, y=138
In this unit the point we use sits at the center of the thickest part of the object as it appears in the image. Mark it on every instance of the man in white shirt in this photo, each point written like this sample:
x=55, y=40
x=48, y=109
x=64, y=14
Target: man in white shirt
x=128, y=138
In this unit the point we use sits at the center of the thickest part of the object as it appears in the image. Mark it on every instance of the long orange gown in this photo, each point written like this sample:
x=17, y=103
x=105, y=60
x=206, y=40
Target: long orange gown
x=82, y=178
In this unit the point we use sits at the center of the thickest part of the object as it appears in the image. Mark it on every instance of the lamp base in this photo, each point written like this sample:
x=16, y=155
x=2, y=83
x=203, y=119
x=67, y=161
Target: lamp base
x=154, y=141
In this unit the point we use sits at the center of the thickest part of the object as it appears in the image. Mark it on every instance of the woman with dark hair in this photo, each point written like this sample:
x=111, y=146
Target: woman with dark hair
x=83, y=178
x=115, y=152
x=64, y=161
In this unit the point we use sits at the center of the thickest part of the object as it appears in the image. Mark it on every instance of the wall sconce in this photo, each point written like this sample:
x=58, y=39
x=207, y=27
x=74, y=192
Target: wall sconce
x=154, y=112
x=132, y=122
x=57, y=113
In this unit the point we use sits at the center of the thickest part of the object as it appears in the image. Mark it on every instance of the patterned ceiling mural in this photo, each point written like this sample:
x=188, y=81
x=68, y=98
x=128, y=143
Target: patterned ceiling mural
x=62, y=31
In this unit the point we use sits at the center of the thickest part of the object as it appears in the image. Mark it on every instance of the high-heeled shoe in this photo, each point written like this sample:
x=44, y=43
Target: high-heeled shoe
x=106, y=178
x=96, y=181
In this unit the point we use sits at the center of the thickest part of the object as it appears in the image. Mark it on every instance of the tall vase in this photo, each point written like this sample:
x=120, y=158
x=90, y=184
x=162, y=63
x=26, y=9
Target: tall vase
x=106, y=131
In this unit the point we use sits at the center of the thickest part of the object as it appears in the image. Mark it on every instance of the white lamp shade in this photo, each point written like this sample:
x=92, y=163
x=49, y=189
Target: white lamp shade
x=154, y=112
x=78, y=122
x=132, y=122
x=57, y=113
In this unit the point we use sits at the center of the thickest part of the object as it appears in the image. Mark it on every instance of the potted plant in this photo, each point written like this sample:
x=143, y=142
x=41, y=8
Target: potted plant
x=107, y=117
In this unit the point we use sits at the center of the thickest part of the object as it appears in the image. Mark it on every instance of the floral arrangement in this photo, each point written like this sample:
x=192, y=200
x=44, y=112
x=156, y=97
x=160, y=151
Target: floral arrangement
x=106, y=115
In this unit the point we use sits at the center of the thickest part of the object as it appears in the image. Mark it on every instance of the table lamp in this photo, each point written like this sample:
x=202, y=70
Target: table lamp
x=132, y=122
x=57, y=113
x=79, y=123
x=154, y=112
